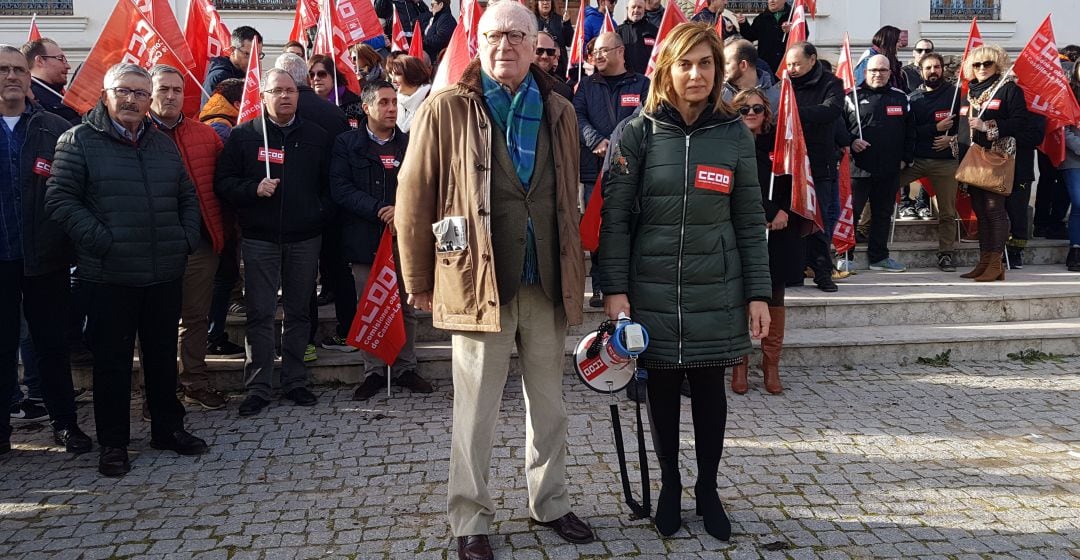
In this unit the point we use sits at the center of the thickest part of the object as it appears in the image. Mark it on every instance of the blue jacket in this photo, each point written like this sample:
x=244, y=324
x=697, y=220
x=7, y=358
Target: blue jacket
x=360, y=188
x=594, y=22
x=600, y=108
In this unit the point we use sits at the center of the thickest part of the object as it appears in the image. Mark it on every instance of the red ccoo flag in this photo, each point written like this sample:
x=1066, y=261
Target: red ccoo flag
x=251, y=102
x=843, y=236
x=397, y=34
x=700, y=5
x=128, y=36
x=455, y=60
x=34, y=34
x=470, y=17
x=416, y=47
x=589, y=228
x=345, y=24
x=207, y=37
x=609, y=24
x=379, y=325
x=798, y=32
x=844, y=69
x=974, y=40
x=307, y=16
x=673, y=16
x=790, y=157
x=1046, y=89
x=577, y=45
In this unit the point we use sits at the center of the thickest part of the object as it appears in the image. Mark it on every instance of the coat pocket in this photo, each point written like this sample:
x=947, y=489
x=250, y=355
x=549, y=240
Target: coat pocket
x=455, y=288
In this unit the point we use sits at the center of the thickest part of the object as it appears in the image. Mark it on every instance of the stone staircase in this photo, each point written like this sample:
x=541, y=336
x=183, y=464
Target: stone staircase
x=875, y=318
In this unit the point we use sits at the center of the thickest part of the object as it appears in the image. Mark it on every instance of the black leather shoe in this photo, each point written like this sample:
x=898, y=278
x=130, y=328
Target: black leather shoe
x=73, y=439
x=570, y=528
x=181, y=442
x=826, y=284
x=252, y=405
x=114, y=461
x=474, y=547
x=300, y=396
x=712, y=511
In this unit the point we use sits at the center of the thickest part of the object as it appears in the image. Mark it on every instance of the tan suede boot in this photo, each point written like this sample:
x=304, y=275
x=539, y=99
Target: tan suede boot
x=770, y=350
x=984, y=261
x=995, y=270
x=738, y=376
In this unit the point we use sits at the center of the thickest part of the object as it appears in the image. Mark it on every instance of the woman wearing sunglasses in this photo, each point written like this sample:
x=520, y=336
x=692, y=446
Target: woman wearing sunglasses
x=323, y=82
x=682, y=248
x=786, y=231
x=993, y=112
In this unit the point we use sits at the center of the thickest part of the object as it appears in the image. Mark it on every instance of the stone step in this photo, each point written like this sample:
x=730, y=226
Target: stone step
x=875, y=318
x=915, y=230
x=923, y=254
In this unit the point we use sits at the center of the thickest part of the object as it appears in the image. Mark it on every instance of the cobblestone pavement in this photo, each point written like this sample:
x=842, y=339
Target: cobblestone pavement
x=970, y=461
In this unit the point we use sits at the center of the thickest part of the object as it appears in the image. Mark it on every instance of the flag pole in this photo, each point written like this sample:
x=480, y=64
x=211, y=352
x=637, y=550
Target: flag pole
x=46, y=86
x=997, y=86
x=262, y=109
x=858, y=119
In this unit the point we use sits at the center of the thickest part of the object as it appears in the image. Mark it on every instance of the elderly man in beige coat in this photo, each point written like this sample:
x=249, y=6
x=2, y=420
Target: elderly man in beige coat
x=493, y=172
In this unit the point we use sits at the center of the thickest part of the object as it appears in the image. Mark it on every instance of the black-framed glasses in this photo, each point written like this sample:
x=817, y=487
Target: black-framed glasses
x=513, y=37
x=59, y=57
x=923, y=51
x=140, y=94
x=320, y=74
x=540, y=51
x=984, y=64
x=248, y=53
x=756, y=108
x=19, y=71
x=878, y=70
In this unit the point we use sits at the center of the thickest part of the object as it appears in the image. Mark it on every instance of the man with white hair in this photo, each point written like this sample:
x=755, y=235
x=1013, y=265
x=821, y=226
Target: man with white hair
x=493, y=163
x=281, y=220
x=120, y=191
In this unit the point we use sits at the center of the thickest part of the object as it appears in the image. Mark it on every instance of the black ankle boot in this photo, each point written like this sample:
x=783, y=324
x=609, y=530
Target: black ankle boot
x=712, y=511
x=668, y=518
x=1072, y=262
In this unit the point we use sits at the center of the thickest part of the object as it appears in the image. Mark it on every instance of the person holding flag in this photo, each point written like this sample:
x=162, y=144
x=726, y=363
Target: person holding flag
x=273, y=172
x=638, y=35
x=995, y=110
x=820, y=97
x=769, y=30
x=493, y=169
x=711, y=11
x=883, y=144
x=786, y=232
x=363, y=182
x=117, y=169
x=409, y=11
x=683, y=195
x=935, y=128
x=436, y=36
x=596, y=18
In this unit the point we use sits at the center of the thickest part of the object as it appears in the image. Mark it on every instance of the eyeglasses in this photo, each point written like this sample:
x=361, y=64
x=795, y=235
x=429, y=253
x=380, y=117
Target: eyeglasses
x=878, y=70
x=923, y=51
x=19, y=71
x=756, y=108
x=985, y=64
x=321, y=74
x=281, y=92
x=545, y=52
x=513, y=37
x=248, y=53
x=603, y=51
x=140, y=94
x=59, y=57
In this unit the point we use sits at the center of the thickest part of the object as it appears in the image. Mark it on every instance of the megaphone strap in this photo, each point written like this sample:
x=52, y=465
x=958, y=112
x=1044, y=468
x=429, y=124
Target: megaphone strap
x=641, y=510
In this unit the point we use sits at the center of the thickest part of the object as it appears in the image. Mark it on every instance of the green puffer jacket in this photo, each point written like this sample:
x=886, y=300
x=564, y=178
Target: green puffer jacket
x=692, y=253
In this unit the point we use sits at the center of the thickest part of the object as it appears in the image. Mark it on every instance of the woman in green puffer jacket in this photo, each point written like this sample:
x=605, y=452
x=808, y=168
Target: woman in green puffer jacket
x=683, y=244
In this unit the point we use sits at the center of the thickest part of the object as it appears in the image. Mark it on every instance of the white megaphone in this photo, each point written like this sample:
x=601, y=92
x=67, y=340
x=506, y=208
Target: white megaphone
x=603, y=359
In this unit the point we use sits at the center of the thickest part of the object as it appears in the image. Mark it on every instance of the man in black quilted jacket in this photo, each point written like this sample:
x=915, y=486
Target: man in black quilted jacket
x=120, y=191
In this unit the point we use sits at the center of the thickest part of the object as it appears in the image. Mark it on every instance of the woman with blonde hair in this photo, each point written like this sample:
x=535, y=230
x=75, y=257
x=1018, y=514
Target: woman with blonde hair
x=683, y=243
x=995, y=112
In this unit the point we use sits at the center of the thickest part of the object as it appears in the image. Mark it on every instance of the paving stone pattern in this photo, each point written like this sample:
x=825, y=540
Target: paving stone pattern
x=975, y=461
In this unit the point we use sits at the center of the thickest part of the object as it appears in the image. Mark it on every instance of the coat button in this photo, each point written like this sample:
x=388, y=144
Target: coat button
x=480, y=167
x=491, y=303
x=446, y=261
x=486, y=257
x=482, y=211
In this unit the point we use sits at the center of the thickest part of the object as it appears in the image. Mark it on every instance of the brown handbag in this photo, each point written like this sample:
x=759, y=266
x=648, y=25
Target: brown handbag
x=991, y=169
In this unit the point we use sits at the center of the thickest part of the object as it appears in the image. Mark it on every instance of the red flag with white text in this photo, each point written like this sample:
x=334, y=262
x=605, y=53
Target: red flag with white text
x=799, y=30
x=974, y=40
x=589, y=228
x=161, y=16
x=379, y=325
x=307, y=16
x=207, y=37
x=333, y=39
x=672, y=16
x=128, y=36
x=1046, y=89
x=609, y=24
x=416, y=47
x=843, y=236
x=470, y=17
x=844, y=69
x=398, y=41
x=251, y=101
x=790, y=156
x=577, y=45
x=35, y=33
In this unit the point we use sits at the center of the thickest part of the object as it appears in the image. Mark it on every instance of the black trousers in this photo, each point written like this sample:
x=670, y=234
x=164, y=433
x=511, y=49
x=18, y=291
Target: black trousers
x=336, y=277
x=44, y=300
x=116, y=315
x=1052, y=201
x=1017, y=207
x=709, y=408
x=881, y=193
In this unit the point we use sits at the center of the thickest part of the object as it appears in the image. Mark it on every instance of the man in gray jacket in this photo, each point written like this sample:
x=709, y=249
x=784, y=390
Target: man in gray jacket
x=120, y=191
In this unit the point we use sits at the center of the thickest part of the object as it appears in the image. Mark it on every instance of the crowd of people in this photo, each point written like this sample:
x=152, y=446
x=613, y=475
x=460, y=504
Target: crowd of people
x=136, y=222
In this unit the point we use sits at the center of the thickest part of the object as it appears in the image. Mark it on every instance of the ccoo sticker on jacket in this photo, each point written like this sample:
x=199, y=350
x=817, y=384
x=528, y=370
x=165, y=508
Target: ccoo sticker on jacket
x=713, y=178
x=629, y=100
x=276, y=156
x=894, y=110
x=43, y=167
